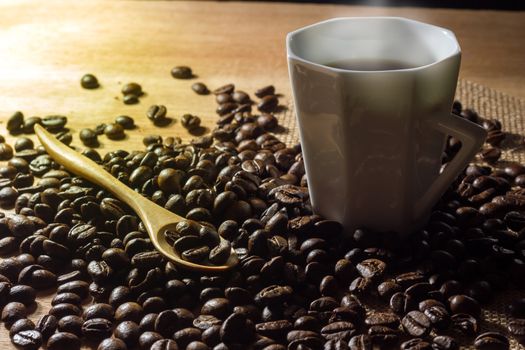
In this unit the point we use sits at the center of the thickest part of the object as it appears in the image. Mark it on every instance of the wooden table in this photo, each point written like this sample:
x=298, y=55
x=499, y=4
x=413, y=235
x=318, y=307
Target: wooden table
x=46, y=47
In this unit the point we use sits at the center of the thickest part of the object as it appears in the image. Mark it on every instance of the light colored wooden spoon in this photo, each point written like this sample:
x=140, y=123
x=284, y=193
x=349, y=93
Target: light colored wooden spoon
x=156, y=219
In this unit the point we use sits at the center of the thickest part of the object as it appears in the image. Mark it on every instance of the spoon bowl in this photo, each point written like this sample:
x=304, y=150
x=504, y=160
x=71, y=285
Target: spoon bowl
x=156, y=219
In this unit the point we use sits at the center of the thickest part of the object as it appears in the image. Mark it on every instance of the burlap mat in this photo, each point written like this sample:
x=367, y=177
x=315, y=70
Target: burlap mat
x=488, y=103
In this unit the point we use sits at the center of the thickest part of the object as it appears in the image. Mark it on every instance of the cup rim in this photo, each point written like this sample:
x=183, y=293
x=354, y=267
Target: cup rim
x=445, y=31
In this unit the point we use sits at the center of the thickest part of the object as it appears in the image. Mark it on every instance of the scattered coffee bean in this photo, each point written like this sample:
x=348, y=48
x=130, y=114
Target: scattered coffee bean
x=130, y=99
x=200, y=89
x=157, y=114
x=265, y=91
x=190, y=122
x=89, y=81
x=181, y=72
x=88, y=137
x=132, y=89
x=125, y=121
x=114, y=131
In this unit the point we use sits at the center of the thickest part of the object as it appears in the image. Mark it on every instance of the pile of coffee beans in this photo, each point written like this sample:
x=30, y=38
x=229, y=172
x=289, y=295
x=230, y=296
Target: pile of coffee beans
x=299, y=284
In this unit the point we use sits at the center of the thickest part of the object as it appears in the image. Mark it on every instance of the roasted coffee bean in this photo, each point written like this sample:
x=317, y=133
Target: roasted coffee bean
x=8, y=245
x=164, y=344
x=341, y=330
x=88, y=137
x=464, y=304
x=491, y=341
x=80, y=288
x=274, y=329
x=114, y=131
x=181, y=72
x=197, y=345
x=23, y=143
x=99, y=310
x=12, y=312
x=116, y=258
x=196, y=255
x=130, y=99
x=268, y=104
x=22, y=294
x=15, y=122
x=47, y=326
x=388, y=288
x=166, y=323
x=54, y=122
x=220, y=254
x=112, y=344
x=371, y=268
x=187, y=335
x=125, y=121
x=127, y=331
x=237, y=329
x=218, y=307
x=129, y=311
x=61, y=310
x=360, y=285
x=382, y=319
x=383, y=336
x=491, y=155
x=147, y=339
x=27, y=339
x=516, y=328
x=63, y=341
x=226, y=89
x=8, y=196
x=443, y=342
x=200, y=89
x=464, y=323
x=416, y=344
x=438, y=316
x=360, y=342
x=71, y=324
x=22, y=324
x=157, y=114
x=97, y=328
x=265, y=91
x=190, y=122
x=29, y=124
x=416, y=324
x=132, y=89
x=89, y=81
x=273, y=295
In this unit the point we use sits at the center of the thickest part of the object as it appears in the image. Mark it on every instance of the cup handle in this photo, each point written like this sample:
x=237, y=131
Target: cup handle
x=472, y=137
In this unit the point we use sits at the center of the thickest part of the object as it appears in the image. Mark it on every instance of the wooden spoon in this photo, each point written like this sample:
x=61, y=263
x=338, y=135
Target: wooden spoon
x=156, y=219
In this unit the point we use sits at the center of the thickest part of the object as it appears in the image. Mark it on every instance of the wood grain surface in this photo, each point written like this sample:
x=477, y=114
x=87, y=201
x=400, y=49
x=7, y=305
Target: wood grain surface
x=45, y=47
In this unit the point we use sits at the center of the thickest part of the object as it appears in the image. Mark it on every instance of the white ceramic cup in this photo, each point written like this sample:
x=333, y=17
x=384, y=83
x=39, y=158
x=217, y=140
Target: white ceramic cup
x=373, y=140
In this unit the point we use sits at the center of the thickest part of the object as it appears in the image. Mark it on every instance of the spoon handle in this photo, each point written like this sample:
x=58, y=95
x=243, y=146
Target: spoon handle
x=88, y=169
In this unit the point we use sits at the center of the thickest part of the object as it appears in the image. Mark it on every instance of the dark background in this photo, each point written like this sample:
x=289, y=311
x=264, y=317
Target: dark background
x=466, y=4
